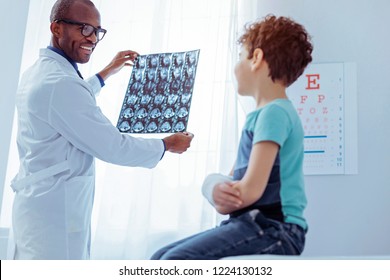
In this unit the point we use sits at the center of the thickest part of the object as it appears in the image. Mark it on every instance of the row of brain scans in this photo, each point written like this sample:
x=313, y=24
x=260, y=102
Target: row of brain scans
x=158, y=96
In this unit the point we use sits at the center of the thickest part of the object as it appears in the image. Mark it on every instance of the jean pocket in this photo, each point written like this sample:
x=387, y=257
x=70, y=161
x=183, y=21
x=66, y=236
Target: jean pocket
x=282, y=241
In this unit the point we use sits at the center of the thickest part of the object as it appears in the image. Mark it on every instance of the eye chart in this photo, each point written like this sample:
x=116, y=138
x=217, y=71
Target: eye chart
x=319, y=96
x=159, y=93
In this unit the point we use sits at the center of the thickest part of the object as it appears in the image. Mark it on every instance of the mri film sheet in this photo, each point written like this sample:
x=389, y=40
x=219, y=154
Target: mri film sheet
x=158, y=97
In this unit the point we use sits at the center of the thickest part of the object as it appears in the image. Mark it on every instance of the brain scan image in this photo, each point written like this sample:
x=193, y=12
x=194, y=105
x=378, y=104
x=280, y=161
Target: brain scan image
x=140, y=62
x=155, y=113
x=162, y=86
x=191, y=58
x=175, y=86
x=188, y=84
x=159, y=93
x=169, y=113
x=176, y=73
x=159, y=99
x=166, y=126
x=153, y=61
x=132, y=99
x=152, y=127
x=149, y=87
x=138, y=75
x=179, y=127
x=128, y=113
x=178, y=59
x=190, y=72
x=145, y=99
x=138, y=127
x=185, y=98
x=164, y=74
x=151, y=76
x=172, y=99
x=135, y=88
x=124, y=126
x=141, y=113
x=166, y=60
x=183, y=112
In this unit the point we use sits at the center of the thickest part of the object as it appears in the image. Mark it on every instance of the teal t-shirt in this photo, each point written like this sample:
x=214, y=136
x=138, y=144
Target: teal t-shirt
x=284, y=198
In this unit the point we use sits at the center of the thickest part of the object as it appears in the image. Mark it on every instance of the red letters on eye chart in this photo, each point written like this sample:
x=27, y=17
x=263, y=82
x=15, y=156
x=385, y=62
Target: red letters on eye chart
x=318, y=96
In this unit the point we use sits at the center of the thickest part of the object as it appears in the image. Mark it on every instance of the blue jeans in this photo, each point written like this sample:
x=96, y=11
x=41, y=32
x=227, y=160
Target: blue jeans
x=248, y=234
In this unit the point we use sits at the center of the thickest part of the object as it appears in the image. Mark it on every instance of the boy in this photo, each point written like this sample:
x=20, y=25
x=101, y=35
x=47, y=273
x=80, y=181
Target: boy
x=266, y=198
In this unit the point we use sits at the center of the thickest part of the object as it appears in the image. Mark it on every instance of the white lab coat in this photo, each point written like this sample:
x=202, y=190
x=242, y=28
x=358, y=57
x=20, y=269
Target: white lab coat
x=60, y=132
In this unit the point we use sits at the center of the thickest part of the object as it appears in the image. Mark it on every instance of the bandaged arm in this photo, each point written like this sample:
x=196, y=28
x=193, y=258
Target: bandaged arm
x=209, y=183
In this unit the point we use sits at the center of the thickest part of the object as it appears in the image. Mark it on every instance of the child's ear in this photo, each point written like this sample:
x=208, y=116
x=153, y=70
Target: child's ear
x=257, y=58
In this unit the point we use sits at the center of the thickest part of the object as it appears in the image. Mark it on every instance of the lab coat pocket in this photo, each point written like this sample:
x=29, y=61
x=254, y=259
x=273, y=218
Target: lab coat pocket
x=79, y=200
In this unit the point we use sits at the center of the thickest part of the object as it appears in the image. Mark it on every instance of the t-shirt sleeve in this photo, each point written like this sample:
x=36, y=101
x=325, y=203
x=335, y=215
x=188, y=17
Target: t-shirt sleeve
x=272, y=124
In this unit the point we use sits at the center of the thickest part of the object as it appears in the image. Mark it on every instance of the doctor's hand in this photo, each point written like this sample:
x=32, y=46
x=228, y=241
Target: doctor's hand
x=178, y=142
x=123, y=58
x=226, y=198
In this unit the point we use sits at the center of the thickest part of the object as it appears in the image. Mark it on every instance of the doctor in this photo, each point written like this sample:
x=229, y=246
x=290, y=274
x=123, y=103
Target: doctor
x=60, y=132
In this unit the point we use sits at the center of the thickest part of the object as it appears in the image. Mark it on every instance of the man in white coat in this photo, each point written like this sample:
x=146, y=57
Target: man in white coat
x=60, y=132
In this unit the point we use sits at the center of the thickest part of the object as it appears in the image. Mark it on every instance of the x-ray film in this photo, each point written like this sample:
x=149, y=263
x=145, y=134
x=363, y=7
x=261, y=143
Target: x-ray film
x=158, y=97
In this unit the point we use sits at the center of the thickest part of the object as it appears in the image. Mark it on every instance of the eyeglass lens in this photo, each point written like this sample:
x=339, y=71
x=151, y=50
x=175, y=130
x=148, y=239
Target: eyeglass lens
x=88, y=30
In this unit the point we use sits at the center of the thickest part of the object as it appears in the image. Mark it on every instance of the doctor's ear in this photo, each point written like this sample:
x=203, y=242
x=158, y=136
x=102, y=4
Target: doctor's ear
x=257, y=58
x=55, y=29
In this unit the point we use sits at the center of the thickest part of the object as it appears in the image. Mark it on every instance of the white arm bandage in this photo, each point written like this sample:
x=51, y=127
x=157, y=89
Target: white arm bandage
x=209, y=183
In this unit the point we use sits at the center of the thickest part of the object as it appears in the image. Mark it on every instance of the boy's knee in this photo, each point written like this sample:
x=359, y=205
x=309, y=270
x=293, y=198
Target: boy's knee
x=157, y=255
x=173, y=255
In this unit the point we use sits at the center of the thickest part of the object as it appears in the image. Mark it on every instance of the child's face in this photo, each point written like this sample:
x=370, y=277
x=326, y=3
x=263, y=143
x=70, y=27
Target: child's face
x=242, y=72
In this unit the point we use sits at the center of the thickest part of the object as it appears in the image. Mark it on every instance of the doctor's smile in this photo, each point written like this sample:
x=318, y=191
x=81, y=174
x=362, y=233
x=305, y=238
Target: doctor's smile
x=90, y=49
x=87, y=50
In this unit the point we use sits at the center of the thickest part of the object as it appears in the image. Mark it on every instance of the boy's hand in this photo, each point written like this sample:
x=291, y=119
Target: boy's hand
x=226, y=198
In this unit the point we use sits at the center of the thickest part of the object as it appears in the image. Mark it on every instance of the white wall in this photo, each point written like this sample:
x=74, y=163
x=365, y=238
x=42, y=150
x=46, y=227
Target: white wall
x=349, y=215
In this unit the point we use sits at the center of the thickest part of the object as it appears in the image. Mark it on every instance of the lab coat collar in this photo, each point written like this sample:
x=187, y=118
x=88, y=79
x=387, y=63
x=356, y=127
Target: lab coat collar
x=62, y=53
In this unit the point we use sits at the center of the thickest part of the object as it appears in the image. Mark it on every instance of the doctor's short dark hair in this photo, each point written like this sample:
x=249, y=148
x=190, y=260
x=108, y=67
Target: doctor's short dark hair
x=60, y=9
x=286, y=46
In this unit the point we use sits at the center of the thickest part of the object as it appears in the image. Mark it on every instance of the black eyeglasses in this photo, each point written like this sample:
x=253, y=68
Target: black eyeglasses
x=86, y=29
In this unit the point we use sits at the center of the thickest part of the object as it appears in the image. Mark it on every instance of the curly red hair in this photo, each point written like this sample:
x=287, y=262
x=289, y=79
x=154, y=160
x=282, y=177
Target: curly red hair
x=286, y=46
